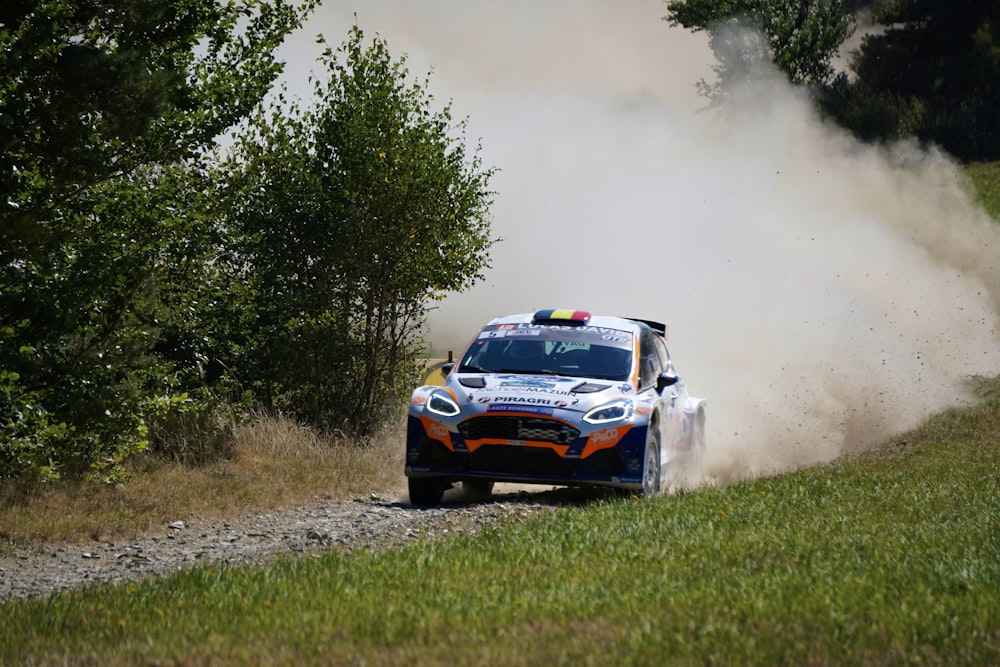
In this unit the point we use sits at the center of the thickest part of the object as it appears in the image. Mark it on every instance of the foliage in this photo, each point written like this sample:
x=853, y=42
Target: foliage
x=933, y=73
x=266, y=463
x=188, y=431
x=985, y=177
x=141, y=283
x=928, y=69
x=349, y=218
x=800, y=37
x=105, y=110
x=889, y=557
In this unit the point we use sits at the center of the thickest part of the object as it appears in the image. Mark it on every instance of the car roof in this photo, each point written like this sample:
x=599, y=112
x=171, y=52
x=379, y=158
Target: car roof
x=605, y=321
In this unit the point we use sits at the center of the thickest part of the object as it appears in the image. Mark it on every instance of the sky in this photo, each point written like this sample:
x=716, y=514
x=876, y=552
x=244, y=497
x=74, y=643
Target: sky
x=823, y=295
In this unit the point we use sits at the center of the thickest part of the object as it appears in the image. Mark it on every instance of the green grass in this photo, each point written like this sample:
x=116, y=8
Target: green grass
x=986, y=179
x=890, y=557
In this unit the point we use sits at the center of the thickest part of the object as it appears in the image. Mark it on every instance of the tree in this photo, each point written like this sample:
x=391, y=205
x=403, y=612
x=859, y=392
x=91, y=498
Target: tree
x=932, y=73
x=353, y=216
x=106, y=109
x=800, y=37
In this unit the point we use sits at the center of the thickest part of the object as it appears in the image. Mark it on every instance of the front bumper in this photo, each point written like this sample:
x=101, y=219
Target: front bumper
x=432, y=450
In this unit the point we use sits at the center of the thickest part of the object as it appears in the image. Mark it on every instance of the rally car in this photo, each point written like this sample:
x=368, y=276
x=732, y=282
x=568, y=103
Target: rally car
x=556, y=397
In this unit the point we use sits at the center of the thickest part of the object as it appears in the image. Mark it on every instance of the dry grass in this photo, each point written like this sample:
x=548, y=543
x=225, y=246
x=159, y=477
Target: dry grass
x=274, y=463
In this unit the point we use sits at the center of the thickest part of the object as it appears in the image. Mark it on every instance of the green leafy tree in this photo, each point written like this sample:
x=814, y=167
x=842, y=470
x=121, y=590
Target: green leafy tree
x=932, y=72
x=107, y=108
x=354, y=216
x=801, y=37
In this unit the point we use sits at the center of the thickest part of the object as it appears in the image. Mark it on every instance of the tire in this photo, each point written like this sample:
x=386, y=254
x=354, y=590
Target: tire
x=477, y=489
x=698, y=436
x=651, y=463
x=425, y=491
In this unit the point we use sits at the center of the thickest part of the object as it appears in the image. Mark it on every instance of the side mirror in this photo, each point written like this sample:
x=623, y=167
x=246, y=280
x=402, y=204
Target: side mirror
x=447, y=368
x=666, y=379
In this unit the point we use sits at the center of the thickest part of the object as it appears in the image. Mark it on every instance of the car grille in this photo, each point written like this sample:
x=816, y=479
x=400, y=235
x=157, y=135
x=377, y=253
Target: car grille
x=508, y=427
x=507, y=460
x=519, y=461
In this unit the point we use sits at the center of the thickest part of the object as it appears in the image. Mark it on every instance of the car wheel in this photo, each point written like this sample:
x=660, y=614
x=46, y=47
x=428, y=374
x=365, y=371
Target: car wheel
x=651, y=463
x=477, y=489
x=425, y=491
x=698, y=436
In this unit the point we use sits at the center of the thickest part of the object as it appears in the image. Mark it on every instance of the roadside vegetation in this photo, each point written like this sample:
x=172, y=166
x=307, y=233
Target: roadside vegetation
x=888, y=557
x=985, y=177
x=269, y=462
x=179, y=239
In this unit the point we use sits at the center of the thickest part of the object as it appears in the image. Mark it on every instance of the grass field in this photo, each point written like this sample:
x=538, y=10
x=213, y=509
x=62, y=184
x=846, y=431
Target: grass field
x=890, y=557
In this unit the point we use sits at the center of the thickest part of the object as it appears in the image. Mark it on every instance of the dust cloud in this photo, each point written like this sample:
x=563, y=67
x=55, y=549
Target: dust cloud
x=822, y=294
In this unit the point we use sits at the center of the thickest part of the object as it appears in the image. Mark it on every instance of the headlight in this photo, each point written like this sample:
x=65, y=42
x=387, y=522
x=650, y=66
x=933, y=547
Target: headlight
x=614, y=411
x=442, y=404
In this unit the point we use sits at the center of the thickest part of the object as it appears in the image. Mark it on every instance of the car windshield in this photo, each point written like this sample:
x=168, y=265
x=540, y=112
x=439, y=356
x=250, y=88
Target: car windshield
x=575, y=352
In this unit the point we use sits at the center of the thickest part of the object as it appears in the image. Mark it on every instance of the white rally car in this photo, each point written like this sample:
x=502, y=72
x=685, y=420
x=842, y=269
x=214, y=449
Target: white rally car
x=554, y=397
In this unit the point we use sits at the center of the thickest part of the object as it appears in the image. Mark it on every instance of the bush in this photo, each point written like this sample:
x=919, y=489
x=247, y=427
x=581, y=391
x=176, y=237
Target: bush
x=873, y=115
x=187, y=431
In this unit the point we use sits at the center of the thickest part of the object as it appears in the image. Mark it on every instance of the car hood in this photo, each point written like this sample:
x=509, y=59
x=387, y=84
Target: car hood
x=500, y=392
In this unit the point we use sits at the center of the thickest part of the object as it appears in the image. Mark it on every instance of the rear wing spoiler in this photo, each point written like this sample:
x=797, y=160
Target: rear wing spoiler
x=658, y=327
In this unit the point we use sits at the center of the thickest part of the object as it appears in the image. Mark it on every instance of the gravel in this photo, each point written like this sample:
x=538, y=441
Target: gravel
x=367, y=523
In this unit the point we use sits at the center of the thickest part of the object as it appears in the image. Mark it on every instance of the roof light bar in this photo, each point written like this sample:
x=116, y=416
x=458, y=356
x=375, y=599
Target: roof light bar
x=562, y=316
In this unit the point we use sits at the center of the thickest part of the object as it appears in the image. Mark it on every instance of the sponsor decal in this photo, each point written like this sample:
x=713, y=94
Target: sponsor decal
x=603, y=331
x=530, y=409
x=607, y=334
x=554, y=402
x=535, y=400
x=532, y=389
x=437, y=431
x=604, y=438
